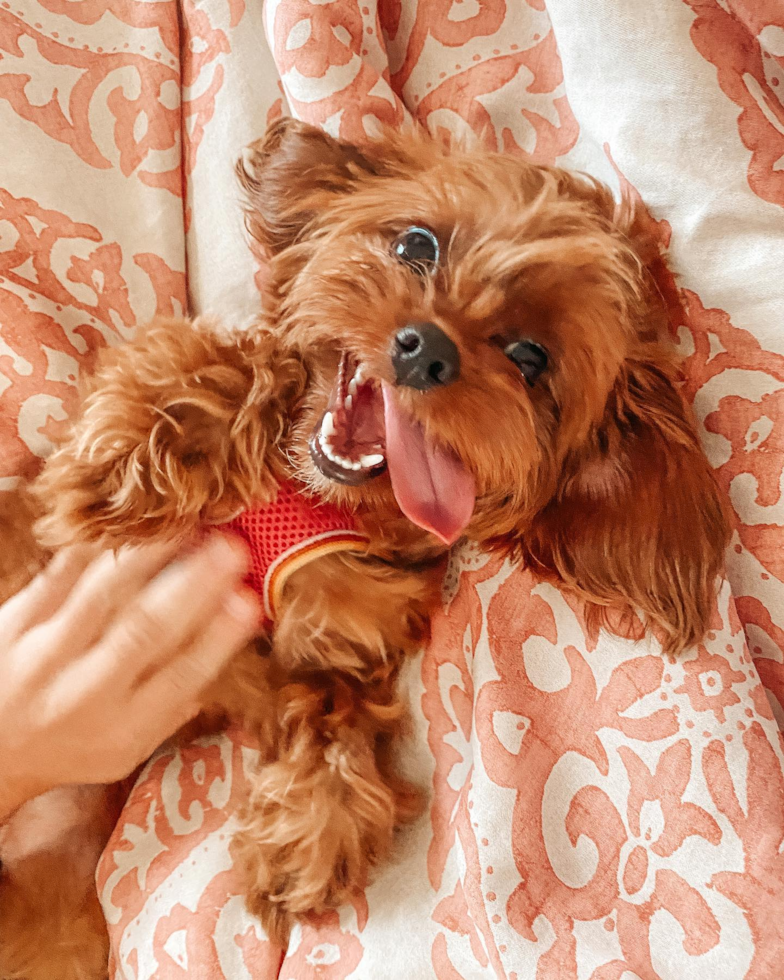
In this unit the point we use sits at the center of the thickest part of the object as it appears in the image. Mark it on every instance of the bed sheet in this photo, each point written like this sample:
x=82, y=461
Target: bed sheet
x=597, y=811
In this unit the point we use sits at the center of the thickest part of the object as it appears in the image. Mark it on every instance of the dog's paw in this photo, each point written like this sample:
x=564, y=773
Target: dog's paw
x=287, y=883
x=177, y=428
x=311, y=834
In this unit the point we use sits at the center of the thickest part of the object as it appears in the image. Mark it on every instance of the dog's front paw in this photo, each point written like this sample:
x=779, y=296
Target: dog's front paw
x=176, y=428
x=310, y=834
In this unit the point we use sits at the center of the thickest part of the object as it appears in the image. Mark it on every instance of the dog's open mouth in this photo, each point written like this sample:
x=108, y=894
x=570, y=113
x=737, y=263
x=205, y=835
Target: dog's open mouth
x=349, y=444
x=365, y=431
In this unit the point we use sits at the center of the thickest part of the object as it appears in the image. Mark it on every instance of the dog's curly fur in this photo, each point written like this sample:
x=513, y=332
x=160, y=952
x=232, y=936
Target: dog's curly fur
x=593, y=476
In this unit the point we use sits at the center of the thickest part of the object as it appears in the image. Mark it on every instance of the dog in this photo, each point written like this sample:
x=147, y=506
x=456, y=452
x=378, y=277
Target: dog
x=452, y=344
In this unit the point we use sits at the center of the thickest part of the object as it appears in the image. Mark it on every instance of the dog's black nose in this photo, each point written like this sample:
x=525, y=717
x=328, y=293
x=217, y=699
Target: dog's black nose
x=424, y=357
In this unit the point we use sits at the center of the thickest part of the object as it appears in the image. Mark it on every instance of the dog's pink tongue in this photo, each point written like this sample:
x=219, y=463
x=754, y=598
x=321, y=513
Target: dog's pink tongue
x=431, y=485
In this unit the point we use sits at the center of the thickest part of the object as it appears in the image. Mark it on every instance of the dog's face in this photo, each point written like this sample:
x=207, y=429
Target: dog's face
x=483, y=345
x=464, y=318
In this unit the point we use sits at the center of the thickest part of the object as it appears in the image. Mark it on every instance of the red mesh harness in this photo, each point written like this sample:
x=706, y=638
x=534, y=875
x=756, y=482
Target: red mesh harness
x=287, y=534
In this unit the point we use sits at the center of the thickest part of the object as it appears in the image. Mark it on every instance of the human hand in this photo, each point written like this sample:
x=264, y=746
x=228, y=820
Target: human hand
x=103, y=658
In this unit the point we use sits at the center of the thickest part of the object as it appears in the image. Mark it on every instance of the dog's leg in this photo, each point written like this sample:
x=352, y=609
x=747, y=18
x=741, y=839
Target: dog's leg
x=241, y=696
x=178, y=427
x=323, y=812
x=51, y=923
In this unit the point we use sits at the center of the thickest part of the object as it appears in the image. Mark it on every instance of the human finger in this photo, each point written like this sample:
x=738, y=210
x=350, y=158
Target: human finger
x=172, y=695
x=45, y=594
x=111, y=583
x=173, y=608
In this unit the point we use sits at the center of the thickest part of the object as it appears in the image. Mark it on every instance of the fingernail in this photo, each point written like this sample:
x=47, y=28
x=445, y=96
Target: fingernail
x=244, y=606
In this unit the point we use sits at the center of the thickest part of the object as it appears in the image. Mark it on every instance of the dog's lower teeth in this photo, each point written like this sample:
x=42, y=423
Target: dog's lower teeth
x=373, y=460
x=348, y=402
x=328, y=452
x=328, y=425
x=352, y=387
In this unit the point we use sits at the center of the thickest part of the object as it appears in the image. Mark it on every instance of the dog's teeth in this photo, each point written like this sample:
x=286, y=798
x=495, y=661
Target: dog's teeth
x=327, y=450
x=368, y=461
x=328, y=425
x=352, y=387
x=348, y=402
x=356, y=466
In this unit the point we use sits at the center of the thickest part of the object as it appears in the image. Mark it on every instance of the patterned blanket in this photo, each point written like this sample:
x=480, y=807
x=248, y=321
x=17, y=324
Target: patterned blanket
x=597, y=811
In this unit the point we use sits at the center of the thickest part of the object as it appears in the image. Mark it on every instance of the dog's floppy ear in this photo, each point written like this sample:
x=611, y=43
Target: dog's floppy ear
x=640, y=523
x=290, y=175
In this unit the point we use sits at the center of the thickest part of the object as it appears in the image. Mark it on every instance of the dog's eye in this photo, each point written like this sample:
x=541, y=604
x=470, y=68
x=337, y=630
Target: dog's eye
x=418, y=248
x=529, y=357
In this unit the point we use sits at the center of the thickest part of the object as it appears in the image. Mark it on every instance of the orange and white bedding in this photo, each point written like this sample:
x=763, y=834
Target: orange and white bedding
x=597, y=811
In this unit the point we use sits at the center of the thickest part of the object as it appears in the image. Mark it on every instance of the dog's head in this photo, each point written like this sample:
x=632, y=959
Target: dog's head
x=484, y=345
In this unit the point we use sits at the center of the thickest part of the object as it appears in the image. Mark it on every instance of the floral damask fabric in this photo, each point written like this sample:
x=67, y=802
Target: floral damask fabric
x=597, y=811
